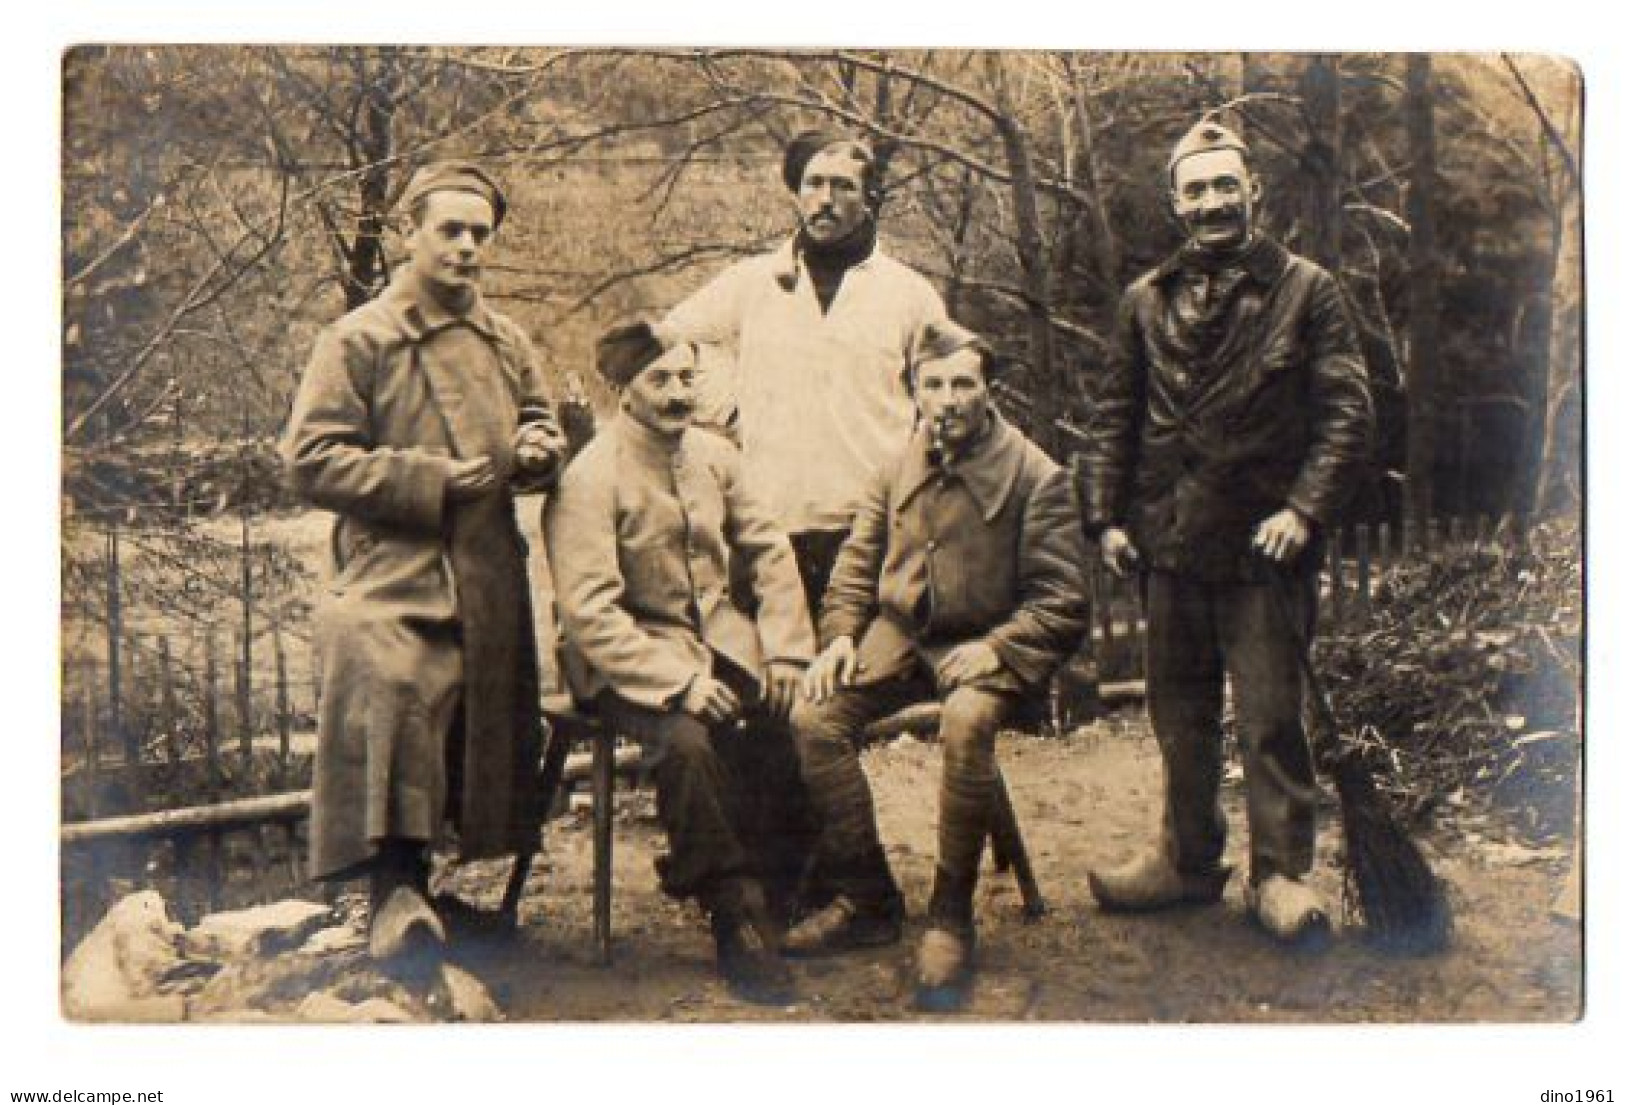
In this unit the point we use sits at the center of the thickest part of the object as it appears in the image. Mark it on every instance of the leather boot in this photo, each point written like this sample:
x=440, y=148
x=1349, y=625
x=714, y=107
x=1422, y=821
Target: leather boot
x=747, y=942
x=945, y=964
x=843, y=925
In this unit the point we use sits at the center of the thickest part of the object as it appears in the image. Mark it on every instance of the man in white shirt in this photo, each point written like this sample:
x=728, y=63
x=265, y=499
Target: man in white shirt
x=824, y=331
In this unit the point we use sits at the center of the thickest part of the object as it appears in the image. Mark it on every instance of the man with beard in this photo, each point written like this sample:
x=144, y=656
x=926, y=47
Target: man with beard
x=962, y=580
x=418, y=417
x=1232, y=419
x=640, y=536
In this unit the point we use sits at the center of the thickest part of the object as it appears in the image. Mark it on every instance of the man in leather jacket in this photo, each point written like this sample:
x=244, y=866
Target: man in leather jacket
x=1233, y=417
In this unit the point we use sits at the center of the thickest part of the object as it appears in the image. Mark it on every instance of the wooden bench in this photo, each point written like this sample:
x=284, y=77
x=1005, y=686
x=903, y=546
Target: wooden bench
x=569, y=724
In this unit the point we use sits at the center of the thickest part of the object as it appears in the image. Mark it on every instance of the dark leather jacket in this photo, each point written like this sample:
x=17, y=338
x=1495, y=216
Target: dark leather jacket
x=1190, y=445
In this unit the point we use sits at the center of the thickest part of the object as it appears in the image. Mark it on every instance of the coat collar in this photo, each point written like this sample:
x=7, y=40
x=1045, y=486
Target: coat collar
x=420, y=317
x=1265, y=262
x=787, y=267
x=989, y=473
x=645, y=444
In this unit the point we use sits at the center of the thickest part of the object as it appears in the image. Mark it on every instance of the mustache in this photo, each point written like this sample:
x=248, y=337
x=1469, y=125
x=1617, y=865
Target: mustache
x=677, y=407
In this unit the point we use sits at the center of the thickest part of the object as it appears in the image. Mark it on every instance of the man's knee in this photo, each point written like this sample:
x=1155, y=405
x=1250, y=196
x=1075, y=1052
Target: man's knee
x=970, y=720
x=688, y=745
x=820, y=732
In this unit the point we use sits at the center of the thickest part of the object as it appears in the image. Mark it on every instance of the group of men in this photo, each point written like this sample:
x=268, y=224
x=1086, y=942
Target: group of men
x=854, y=529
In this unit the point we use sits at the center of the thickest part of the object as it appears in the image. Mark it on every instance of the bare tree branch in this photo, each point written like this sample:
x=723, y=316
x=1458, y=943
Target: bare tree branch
x=1559, y=143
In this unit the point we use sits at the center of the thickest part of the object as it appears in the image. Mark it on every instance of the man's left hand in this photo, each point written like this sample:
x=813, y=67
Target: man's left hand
x=969, y=662
x=783, y=684
x=1282, y=536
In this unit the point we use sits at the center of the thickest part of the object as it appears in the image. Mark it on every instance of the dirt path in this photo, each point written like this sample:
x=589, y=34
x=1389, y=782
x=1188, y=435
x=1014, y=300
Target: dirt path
x=1087, y=799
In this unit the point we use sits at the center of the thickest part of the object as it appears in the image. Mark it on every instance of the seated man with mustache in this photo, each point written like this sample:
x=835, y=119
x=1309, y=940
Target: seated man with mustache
x=640, y=535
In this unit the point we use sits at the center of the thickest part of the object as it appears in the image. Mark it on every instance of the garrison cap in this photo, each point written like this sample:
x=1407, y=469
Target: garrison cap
x=456, y=176
x=943, y=338
x=1205, y=137
x=809, y=144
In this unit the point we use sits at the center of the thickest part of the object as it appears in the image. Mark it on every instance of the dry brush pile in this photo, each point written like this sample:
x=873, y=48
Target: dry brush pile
x=1462, y=689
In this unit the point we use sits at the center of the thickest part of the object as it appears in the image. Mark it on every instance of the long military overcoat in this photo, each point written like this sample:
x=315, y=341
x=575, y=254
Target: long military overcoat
x=425, y=631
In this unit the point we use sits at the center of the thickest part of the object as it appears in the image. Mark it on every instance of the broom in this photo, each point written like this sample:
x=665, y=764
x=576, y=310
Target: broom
x=1387, y=882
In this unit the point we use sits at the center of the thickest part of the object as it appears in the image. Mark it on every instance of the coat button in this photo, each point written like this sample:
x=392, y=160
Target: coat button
x=930, y=546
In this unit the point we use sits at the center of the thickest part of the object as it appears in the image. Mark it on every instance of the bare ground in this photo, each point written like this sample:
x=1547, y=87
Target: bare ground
x=1087, y=799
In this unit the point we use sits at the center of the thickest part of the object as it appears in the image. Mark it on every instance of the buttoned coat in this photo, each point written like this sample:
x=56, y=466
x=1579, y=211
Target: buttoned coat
x=429, y=600
x=1191, y=450
x=990, y=549
x=639, y=536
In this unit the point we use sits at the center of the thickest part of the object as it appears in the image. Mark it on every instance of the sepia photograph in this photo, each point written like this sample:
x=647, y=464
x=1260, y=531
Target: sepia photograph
x=826, y=536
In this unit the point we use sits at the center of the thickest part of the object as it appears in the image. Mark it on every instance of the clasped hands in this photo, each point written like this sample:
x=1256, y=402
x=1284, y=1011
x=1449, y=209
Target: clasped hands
x=537, y=447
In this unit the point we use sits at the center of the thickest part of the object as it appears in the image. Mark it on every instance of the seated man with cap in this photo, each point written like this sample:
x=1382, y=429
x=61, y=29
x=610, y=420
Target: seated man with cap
x=963, y=579
x=417, y=419
x=640, y=535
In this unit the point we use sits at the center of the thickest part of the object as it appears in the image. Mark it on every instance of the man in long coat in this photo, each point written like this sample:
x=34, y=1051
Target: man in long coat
x=962, y=580
x=640, y=536
x=1232, y=420
x=418, y=417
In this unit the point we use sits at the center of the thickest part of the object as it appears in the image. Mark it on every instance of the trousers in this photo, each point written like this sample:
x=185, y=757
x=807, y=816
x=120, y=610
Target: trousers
x=720, y=797
x=1197, y=634
x=849, y=854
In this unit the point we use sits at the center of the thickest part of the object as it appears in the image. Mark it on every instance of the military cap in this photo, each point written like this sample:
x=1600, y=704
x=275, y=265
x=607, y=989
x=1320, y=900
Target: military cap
x=1205, y=137
x=809, y=144
x=625, y=350
x=456, y=176
x=943, y=338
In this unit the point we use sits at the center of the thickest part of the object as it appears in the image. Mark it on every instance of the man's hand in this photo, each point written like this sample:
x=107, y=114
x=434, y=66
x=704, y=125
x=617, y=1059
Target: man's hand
x=1118, y=552
x=783, y=683
x=469, y=479
x=831, y=670
x=710, y=700
x=1282, y=535
x=969, y=662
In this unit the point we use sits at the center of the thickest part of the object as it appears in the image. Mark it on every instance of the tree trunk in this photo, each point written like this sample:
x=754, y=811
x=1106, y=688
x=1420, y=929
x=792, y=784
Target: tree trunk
x=374, y=143
x=1420, y=378
x=1108, y=259
x=1557, y=468
x=1320, y=225
x=1033, y=254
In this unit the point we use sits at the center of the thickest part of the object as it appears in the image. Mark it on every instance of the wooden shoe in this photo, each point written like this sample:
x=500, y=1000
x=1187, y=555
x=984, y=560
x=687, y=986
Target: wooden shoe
x=406, y=930
x=1288, y=910
x=943, y=969
x=1151, y=882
